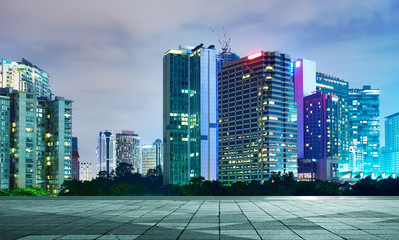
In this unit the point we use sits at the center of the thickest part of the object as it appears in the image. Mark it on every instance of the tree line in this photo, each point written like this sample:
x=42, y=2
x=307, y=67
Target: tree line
x=124, y=182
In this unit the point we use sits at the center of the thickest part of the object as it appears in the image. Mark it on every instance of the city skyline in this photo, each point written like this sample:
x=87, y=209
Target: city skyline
x=110, y=61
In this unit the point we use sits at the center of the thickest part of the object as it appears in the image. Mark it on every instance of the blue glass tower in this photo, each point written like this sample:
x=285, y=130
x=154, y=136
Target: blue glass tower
x=190, y=114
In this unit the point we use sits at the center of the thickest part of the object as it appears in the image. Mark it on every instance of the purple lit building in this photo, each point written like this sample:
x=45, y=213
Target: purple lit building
x=320, y=159
x=75, y=159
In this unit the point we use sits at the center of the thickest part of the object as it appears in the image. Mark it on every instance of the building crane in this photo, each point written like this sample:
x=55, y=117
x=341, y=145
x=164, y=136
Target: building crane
x=223, y=41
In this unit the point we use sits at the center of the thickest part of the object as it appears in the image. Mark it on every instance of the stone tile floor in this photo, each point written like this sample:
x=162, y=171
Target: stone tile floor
x=210, y=218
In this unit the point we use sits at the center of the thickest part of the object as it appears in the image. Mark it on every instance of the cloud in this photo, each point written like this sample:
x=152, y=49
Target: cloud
x=107, y=55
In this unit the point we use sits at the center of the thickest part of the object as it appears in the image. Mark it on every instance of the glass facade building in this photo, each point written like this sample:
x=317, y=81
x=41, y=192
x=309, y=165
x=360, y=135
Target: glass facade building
x=335, y=86
x=390, y=153
x=364, y=125
x=127, y=146
x=257, y=118
x=148, y=158
x=159, y=152
x=190, y=114
x=304, y=78
x=75, y=159
x=106, y=152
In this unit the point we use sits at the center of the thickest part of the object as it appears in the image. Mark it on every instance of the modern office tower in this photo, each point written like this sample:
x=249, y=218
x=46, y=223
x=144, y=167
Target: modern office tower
x=257, y=118
x=4, y=140
x=59, y=143
x=390, y=153
x=75, y=159
x=335, y=86
x=149, y=157
x=128, y=148
x=106, y=152
x=159, y=152
x=190, y=114
x=24, y=76
x=304, y=77
x=320, y=137
x=364, y=125
x=85, y=171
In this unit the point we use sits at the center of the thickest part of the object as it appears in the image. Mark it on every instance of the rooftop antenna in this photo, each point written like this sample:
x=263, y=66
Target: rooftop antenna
x=223, y=41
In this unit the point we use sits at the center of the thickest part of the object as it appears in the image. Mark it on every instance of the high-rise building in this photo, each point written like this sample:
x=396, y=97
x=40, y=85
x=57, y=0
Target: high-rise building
x=257, y=118
x=320, y=158
x=106, y=152
x=148, y=156
x=75, y=159
x=190, y=114
x=335, y=86
x=38, y=141
x=59, y=142
x=304, y=77
x=390, y=153
x=128, y=148
x=5, y=132
x=159, y=152
x=364, y=125
x=85, y=171
x=24, y=76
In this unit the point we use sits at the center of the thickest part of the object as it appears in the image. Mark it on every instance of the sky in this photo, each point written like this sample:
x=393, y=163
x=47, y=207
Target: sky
x=106, y=56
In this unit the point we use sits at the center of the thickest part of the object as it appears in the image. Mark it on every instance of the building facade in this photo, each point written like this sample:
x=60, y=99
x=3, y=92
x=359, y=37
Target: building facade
x=190, y=114
x=159, y=152
x=321, y=149
x=5, y=132
x=335, y=86
x=364, y=125
x=75, y=159
x=304, y=78
x=25, y=77
x=128, y=148
x=106, y=152
x=85, y=171
x=257, y=118
x=390, y=153
x=149, y=158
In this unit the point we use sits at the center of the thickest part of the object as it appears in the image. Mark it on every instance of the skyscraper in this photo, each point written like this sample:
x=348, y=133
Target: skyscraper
x=364, y=125
x=106, y=152
x=190, y=114
x=148, y=156
x=59, y=142
x=335, y=86
x=4, y=140
x=85, y=171
x=304, y=78
x=75, y=159
x=257, y=118
x=24, y=76
x=390, y=158
x=37, y=135
x=159, y=152
x=320, y=137
x=128, y=148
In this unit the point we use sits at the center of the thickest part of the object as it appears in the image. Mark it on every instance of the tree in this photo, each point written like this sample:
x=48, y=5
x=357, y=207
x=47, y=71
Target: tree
x=124, y=170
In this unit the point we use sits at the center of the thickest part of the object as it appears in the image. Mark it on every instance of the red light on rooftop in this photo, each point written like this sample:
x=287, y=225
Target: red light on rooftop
x=255, y=55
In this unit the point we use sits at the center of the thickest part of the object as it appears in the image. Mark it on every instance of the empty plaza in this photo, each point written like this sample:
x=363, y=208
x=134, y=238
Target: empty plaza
x=199, y=218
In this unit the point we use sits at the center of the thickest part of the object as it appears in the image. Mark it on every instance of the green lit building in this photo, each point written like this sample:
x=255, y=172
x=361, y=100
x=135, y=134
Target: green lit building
x=189, y=114
x=257, y=118
x=4, y=141
x=364, y=125
x=336, y=86
x=59, y=143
